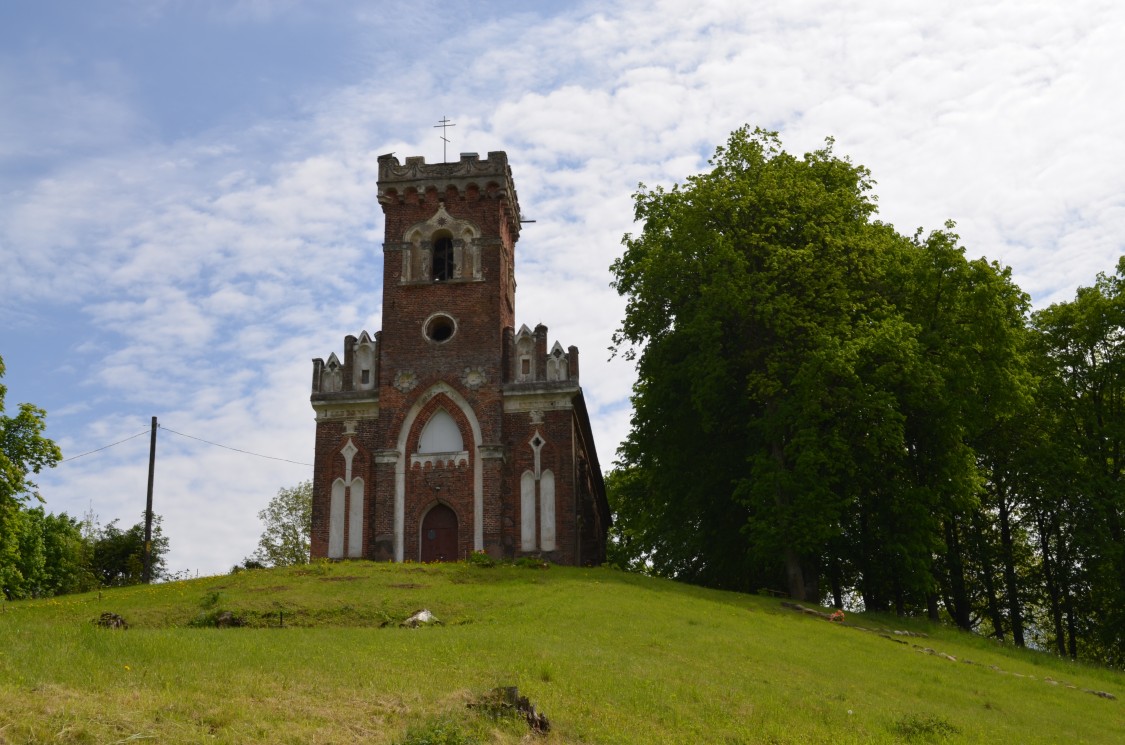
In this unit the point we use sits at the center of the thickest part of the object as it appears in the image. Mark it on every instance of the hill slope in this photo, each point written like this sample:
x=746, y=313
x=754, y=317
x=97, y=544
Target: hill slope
x=609, y=657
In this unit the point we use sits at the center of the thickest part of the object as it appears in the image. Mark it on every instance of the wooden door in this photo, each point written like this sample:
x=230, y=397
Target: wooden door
x=439, y=535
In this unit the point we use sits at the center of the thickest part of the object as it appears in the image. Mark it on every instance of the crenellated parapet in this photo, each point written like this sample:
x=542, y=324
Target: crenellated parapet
x=359, y=372
x=471, y=176
x=531, y=362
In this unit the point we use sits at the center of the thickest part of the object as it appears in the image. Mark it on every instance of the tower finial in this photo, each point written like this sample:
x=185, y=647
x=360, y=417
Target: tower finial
x=444, y=124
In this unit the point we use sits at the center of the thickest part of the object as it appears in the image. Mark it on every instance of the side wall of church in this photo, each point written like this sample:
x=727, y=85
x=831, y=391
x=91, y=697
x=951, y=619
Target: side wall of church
x=556, y=458
x=329, y=466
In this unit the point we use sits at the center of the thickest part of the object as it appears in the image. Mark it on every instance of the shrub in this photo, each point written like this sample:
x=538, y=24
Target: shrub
x=914, y=726
x=438, y=732
x=481, y=559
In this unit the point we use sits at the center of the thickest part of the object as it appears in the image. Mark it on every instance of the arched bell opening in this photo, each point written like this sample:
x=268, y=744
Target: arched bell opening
x=442, y=269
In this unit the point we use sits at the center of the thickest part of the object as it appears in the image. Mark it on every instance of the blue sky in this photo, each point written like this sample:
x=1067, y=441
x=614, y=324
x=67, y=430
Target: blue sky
x=187, y=189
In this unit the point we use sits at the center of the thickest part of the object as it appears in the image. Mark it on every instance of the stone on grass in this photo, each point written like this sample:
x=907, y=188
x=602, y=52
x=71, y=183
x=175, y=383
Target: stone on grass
x=226, y=620
x=109, y=620
x=507, y=701
x=421, y=618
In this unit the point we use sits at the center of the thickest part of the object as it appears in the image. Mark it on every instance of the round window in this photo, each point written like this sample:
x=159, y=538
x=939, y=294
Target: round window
x=440, y=328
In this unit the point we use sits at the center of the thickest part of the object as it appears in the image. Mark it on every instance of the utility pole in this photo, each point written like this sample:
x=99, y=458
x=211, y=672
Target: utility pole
x=147, y=577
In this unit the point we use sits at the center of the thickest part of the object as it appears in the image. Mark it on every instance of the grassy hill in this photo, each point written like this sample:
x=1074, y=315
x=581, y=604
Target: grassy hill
x=608, y=657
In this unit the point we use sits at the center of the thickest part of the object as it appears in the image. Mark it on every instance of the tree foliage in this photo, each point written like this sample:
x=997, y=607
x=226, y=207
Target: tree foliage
x=23, y=449
x=288, y=528
x=830, y=408
x=43, y=554
x=1080, y=349
x=58, y=554
x=117, y=556
x=780, y=379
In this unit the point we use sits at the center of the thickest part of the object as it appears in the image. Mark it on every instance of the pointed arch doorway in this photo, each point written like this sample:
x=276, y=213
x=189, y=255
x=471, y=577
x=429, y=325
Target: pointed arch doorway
x=439, y=534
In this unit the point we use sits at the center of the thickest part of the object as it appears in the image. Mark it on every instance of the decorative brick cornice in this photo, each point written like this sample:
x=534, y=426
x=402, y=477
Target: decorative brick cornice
x=346, y=405
x=440, y=459
x=539, y=396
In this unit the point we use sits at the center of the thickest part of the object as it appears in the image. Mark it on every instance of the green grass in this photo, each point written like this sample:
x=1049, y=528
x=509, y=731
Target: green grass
x=609, y=657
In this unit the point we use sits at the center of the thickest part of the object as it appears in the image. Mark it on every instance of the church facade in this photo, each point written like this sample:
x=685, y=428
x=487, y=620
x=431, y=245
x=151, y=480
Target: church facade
x=449, y=430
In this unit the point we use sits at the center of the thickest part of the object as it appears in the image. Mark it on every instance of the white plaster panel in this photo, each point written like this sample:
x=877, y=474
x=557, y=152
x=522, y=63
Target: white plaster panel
x=355, y=519
x=547, y=510
x=527, y=511
x=336, y=521
x=440, y=435
x=348, y=451
x=400, y=508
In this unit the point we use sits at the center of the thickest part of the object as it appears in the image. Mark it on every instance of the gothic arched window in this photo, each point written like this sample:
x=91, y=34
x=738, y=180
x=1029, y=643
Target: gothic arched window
x=442, y=259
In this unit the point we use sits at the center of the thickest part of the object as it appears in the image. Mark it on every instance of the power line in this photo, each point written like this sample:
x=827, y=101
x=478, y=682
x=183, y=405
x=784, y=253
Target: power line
x=181, y=434
x=228, y=447
x=106, y=447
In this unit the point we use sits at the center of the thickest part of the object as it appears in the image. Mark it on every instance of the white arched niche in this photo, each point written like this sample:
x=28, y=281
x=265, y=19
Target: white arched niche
x=440, y=435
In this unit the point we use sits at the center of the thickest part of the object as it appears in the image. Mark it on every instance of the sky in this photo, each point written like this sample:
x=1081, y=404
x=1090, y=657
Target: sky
x=188, y=212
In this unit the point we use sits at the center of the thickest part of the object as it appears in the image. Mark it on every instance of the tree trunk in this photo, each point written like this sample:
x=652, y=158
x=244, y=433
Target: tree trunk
x=1015, y=613
x=837, y=586
x=812, y=583
x=1071, y=628
x=1051, y=582
x=932, y=607
x=960, y=610
x=992, y=604
x=794, y=575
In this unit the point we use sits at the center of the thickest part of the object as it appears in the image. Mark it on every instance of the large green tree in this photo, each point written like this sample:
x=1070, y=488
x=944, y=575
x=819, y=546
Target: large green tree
x=24, y=451
x=117, y=556
x=1081, y=346
x=754, y=309
x=970, y=321
x=827, y=407
x=288, y=528
x=810, y=384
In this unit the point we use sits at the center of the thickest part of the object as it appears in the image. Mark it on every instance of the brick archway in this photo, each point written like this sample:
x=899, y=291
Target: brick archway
x=476, y=520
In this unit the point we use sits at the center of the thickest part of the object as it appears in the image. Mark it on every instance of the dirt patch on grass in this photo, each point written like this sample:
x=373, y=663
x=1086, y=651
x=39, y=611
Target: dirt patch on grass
x=408, y=586
x=274, y=588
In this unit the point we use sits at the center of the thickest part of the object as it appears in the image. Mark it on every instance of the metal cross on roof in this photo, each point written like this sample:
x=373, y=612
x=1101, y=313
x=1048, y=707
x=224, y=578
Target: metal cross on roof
x=444, y=124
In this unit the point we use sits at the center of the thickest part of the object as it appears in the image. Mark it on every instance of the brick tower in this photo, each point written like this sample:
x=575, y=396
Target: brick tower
x=449, y=431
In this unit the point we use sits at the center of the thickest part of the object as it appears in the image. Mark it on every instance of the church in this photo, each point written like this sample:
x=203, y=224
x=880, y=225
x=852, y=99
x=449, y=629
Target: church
x=450, y=430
